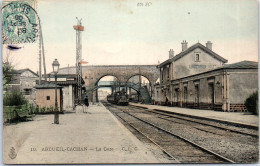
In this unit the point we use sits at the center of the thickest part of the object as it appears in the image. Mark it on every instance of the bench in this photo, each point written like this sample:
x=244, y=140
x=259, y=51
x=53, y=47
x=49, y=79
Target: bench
x=23, y=114
x=9, y=114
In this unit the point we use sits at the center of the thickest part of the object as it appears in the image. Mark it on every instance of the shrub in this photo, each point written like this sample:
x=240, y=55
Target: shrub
x=251, y=103
x=14, y=98
x=8, y=74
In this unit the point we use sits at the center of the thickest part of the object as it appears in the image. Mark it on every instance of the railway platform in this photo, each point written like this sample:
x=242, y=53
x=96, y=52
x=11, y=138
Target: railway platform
x=240, y=118
x=90, y=136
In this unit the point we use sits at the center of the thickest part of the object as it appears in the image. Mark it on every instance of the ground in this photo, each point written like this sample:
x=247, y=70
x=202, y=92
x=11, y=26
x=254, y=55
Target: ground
x=92, y=137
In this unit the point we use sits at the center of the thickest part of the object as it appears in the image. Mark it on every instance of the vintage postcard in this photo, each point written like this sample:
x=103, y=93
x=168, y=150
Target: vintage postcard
x=130, y=81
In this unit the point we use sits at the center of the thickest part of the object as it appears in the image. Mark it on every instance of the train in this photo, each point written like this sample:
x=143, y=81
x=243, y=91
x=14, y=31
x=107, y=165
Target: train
x=118, y=98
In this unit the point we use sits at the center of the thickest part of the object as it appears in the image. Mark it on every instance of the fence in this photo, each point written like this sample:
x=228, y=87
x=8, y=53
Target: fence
x=23, y=112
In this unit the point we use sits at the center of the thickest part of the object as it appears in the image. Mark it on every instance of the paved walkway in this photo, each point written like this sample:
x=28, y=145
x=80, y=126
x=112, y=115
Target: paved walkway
x=236, y=117
x=92, y=137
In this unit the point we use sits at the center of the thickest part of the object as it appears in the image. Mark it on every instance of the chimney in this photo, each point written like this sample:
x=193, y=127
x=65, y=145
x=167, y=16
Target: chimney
x=184, y=45
x=171, y=53
x=209, y=45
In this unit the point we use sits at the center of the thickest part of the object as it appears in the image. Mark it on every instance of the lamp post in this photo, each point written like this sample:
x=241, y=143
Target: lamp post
x=55, y=66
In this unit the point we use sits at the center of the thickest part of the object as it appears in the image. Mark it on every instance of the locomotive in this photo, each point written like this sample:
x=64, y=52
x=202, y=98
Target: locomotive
x=119, y=98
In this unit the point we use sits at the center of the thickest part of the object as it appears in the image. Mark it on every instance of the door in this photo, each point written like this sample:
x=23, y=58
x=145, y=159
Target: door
x=185, y=96
x=61, y=99
x=177, y=96
x=211, y=96
x=197, y=95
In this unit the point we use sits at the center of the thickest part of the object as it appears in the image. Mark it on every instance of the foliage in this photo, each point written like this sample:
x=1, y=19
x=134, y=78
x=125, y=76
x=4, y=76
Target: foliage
x=8, y=73
x=251, y=103
x=14, y=98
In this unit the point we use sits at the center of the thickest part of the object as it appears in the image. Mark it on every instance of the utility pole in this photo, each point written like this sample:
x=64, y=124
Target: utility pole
x=79, y=28
x=139, y=87
x=41, y=56
x=40, y=61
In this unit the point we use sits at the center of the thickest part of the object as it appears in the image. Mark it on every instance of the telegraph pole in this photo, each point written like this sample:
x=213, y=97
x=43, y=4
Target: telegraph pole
x=79, y=28
x=139, y=83
x=40, y=62
x=41, y=56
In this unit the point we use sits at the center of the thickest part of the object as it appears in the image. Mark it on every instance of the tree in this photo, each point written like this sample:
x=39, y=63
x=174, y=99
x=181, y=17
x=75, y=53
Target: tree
x=14, y=98
x=251, y=103
x=8, y=67
x=8, y=73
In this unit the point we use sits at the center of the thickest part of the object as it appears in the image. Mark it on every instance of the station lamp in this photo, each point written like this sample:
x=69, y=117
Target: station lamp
x=55, y=66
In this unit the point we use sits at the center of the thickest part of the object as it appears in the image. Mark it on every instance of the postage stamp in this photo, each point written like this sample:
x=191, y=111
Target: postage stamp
x=20, y=23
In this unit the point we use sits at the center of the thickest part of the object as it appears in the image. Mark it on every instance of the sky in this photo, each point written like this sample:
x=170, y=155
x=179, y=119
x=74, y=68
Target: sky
x=124, y=32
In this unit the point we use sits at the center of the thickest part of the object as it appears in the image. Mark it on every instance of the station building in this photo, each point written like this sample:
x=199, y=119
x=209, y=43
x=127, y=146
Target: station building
x=24, y=81
x=199, y=78
x=67, y=87
x=45, y=96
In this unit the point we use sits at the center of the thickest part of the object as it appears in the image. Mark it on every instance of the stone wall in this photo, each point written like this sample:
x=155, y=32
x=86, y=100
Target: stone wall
x=68, y=97
x=242, y=84
x=41, y=97
x=225, y=89
x=187, y=65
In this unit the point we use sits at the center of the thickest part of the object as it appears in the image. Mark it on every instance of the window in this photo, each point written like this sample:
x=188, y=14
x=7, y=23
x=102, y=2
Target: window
x=168, y=71
x=162, y=73
x=27, y=91
x=197, y=57
x=185, y=94
x=48, y=97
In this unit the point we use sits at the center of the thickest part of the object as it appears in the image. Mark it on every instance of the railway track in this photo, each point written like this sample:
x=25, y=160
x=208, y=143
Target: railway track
x=175, y=146
x=172, y=118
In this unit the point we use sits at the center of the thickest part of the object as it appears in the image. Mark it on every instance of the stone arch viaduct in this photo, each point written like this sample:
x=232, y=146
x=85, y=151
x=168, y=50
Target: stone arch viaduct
x=92, y=74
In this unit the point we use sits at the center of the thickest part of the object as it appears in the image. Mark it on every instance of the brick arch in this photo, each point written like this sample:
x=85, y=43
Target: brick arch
x=91, y=74
x=151, y=77
x=106, y=74
x=137, y=74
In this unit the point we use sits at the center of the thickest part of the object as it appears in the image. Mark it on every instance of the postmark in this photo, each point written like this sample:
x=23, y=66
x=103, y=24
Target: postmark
x=20, y=23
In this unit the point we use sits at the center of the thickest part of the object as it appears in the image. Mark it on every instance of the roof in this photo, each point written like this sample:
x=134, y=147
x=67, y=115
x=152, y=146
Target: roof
x=69, y=78
x=191, y=48
x=242, y=65
x=23, y=70
x=68, y=82
x=239, y=65
x=47, y=86
x=52, y=75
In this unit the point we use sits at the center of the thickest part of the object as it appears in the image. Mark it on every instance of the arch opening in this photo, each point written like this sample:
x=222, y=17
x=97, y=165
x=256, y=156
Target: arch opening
x=139, y=88
x=105, y=86
x=107, y=77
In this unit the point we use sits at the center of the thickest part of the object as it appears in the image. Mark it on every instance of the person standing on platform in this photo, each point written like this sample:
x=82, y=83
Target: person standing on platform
x=86, y=101
x=166, y=102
